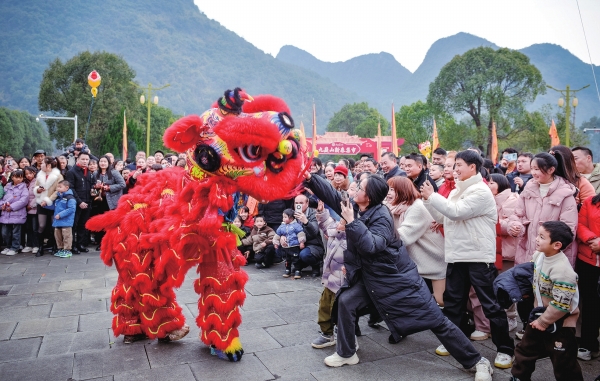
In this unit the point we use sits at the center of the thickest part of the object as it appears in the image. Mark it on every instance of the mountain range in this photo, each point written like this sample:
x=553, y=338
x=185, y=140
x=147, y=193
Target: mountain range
x=365, y=76
x=174, y=42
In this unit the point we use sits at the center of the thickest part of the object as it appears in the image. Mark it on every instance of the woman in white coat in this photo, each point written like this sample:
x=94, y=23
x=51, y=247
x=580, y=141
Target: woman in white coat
x=45, y=192
x=425, y=245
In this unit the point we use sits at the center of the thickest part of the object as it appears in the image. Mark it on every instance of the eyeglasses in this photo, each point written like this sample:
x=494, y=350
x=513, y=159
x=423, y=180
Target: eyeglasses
x=359, y=188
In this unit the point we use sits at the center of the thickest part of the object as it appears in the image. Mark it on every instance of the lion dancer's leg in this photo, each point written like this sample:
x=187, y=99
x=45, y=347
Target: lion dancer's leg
x=221, y=289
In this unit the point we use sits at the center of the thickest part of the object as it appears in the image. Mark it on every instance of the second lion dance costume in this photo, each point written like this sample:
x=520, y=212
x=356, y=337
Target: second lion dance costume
x=172, y=220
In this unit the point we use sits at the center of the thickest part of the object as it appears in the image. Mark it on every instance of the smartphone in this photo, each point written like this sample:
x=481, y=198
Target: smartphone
x=345, y=197
x=9, y=162
x=510, y=156
x=299, y=208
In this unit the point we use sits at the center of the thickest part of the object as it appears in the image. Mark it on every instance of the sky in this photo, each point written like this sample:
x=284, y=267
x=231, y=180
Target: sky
x=336, y=30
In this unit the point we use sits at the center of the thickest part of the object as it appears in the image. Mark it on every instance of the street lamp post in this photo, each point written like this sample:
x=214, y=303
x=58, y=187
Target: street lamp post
x=148, y=101
x=74, y=118
x=566, y=103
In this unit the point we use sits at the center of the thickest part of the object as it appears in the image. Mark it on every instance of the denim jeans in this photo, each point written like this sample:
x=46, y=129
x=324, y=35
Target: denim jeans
x=11, y=234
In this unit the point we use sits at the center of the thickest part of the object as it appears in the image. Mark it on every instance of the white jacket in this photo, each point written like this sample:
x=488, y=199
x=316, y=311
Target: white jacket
x=49, y=184
x=469, y=216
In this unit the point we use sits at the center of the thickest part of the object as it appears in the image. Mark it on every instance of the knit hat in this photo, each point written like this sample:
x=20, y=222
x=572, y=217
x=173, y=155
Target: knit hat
x=232, y=101
x=341, y=170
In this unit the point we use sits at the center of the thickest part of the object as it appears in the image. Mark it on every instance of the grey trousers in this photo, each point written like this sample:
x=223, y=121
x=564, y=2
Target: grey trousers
x=351, y=300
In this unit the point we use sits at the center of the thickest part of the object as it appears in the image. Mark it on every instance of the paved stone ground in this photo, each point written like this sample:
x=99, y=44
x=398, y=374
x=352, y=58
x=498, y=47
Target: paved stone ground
x=54, y=325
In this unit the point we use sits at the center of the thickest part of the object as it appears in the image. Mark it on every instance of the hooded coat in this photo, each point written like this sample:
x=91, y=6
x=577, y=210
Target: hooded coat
x=333, y=275
x=64, y=206
x=588, y=227
x=532, y=210
x=377, y=256
x=506, y=202
x=18, y=197
x=513, y=284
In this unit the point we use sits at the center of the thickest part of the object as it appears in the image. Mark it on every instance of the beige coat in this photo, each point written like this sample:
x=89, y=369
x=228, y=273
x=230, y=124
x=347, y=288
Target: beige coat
x=506, y=203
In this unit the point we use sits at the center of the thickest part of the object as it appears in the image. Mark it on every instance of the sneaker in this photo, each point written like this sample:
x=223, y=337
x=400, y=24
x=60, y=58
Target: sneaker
x=67, y=254
x=483, y=370
x=35, y=250
x=503, y=361
x=11, y=252
x=287, y=273
x=297, y=274
x=4, y=251
x=512, y=324
x=336, y=360
x=441, y=351
x=519, y=334
x=585, y=355
x=324, y=341
x=478, y=336
x=58, y=253
x=27, y=249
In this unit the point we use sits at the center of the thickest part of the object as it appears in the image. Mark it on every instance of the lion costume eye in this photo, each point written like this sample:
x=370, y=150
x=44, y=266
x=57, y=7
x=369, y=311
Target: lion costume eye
x=250, y=153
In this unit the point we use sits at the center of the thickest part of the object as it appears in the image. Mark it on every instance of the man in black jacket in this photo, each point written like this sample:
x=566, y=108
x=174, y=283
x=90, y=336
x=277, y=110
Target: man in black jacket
x=80, y=179
x=312, y=254
x=389, y=165
x=519, y=178
x=417, y=172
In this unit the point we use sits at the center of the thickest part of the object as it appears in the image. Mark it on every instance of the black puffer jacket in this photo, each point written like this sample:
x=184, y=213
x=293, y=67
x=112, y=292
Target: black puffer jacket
x=273, y=210
x=514, y=284
x=376, y=255
x=424, y=175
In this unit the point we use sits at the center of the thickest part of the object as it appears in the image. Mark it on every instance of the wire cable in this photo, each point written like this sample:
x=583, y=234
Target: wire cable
x=588, y=49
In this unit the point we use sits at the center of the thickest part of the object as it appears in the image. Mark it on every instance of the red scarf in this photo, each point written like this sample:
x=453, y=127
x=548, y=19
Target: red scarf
x=85, y=169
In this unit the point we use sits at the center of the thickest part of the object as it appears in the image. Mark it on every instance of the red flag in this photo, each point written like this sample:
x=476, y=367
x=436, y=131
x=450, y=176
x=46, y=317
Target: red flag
x=435, y=141
x=494, y=153
x=394, y=136
x=554, y=139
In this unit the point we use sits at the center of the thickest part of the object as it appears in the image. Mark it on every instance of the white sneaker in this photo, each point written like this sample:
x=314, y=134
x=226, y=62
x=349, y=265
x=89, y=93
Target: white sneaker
x=35, y=250
x=27, y=249
x=11, y=252
x=483, y=370
x=512, y=324
x=585, y=355
x=336, y=360
x=4, y=251
x=478, y=336
x=441, y=351
x=503, y=361
x=519, y=334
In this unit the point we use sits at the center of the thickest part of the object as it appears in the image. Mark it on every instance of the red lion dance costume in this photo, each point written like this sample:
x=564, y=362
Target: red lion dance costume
x=173, y=220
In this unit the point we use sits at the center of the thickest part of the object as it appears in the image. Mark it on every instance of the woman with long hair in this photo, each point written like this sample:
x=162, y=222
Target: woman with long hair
x=329, y=171
x=412, y=221
x=29, y=235
x=586, y=189
x=24, y=163
x=46, y=182
x=109, y=184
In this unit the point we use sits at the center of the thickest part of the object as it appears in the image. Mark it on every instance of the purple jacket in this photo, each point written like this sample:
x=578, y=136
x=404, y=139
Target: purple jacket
x=18, y=197
x=333, y=276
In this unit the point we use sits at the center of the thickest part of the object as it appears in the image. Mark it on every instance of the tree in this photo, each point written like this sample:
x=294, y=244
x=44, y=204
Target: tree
x=358, y=119
x=64, y=91
x=414, y=123
x=113, y=142
x=160, y=119
x=21, y=134
x=484, y=80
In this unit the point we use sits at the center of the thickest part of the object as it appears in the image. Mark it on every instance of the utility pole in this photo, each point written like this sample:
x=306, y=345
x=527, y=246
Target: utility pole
x=567, y=104
x=147, y=99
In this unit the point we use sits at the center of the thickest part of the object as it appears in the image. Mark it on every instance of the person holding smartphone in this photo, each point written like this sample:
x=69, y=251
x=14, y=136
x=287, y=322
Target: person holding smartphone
x=313, y=252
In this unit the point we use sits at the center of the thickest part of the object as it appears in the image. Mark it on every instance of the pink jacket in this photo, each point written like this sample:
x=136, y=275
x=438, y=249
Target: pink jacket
x=532, y=210
x=506, y=203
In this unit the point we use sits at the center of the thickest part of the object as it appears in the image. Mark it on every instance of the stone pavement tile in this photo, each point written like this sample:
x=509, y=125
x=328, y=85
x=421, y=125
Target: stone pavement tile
x=370, y=350
x=64, y=262
x=178, y=372
x=44, y=270
x=256, y=340
x=274, y=287
x=57, y=277
x=96, y=293
x=61, y=343
x=42, y=368
x=78, y=284
x=187, y=296
x=293, y=334
x=362, y=371
x=79, y=307
x=53, y=297
x=248, y=369
x=177, y=352
x=260, y=319
x=7, y=329
x=94, y=322
x=262, y=302
x=109, y=362
x=298, y=359
x=24, y=313
x=112, y=275
x=422, y=367
x=300, y=297
x=14, y=301
x=35, y=288
x=422, y=341
x=298, y=313
x=15, y=272
x=94, y=260
x=41, y=327
x=25, y=279
x=79, y=267
x=12, y=350
x=5, y=290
